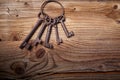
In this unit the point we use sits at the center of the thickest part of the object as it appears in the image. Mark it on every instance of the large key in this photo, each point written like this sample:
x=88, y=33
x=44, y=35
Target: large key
x=49, y=30
x=25, y=42
x=68, y=34
x=58, y=39
x=40, y=33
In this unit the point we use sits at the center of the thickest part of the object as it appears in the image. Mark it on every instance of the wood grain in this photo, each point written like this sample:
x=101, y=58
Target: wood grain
x=18, y=17
x=93, y=53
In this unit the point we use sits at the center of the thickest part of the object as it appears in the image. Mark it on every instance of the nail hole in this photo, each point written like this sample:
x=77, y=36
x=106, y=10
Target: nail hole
x=25, y=3
x=115, y=6
x=74, y=9
x=17, y=15
x=40, y=53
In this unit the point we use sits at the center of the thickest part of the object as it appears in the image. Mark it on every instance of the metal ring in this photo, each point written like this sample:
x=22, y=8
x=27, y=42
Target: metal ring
x=39, y=14
x=47, y=20
x=46, y=2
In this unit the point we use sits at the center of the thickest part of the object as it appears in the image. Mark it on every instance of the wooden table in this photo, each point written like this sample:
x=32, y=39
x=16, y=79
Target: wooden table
x=92, y=54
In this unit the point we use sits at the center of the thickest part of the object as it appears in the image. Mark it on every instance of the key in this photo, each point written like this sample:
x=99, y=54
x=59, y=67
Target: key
x=40, y=33
x=25, y=42
x=38, y=39
x=68, y=34
x=58, y=39
x=49, y=30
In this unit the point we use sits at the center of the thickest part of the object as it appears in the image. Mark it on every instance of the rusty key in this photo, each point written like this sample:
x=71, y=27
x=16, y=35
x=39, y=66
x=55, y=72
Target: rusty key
x=49, y=30
x=38, y=38
x=40, y=33
x=68, y=34
x=25, y=42
x=58, y=39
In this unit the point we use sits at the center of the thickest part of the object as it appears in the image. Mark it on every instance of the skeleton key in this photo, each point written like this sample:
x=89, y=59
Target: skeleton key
x=25, y=42
x=49, y=30
x=38, y=39
x=58, y=39
x=68, y=34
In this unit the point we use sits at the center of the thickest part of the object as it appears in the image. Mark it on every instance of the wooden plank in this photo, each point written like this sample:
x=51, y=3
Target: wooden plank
x=19, y=16
x=62, y=59
x=76, y=76
x=93, y=53
x=82, y=76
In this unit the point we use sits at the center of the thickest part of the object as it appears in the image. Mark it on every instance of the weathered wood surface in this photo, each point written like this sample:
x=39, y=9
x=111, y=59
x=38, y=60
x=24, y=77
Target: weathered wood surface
x=93, y=53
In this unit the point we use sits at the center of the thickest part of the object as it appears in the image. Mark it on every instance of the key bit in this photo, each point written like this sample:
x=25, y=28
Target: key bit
x=68, y=34
x=28, y=47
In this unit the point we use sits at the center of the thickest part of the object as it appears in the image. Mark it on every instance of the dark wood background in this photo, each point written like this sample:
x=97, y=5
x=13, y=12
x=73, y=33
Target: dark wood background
x=92, y=54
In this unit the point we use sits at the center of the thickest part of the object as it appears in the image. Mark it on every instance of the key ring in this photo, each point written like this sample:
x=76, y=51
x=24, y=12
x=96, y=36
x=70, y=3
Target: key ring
x=46, y=2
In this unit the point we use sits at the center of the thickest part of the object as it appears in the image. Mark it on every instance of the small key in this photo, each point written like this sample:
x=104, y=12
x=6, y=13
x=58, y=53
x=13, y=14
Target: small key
x=58, y=39
x=25, y=42
x=49, y=30
x=68, y=34
x=47, y=44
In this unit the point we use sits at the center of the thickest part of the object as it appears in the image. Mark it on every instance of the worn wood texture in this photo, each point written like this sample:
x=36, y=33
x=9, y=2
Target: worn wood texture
x=93, y=53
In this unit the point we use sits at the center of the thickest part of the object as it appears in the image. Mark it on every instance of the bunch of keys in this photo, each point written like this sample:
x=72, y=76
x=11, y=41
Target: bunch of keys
x=45, y=21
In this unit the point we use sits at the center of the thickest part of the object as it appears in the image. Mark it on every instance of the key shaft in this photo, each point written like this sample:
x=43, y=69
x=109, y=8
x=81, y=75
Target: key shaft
x=58, y=39
x=47, y=44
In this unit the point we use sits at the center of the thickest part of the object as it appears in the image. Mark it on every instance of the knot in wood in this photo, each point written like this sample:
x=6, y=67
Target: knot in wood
x=19, y=67
x=40, y=53
x=25, y=3
x=115, y=6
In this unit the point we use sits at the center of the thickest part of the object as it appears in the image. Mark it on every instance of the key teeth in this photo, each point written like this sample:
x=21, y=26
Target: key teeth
x=60, y=41
x=28, y=47
x=48, y=45
x=71, y=34
x=37, y=42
